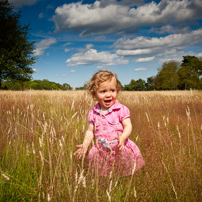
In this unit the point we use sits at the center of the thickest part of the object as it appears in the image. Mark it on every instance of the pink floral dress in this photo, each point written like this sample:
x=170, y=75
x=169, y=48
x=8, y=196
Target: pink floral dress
x=105, y=155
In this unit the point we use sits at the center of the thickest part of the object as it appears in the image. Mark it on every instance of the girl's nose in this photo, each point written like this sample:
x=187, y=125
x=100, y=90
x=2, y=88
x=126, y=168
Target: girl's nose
x=108, y=94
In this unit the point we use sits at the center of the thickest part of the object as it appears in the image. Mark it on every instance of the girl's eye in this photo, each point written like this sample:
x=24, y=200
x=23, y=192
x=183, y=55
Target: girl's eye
x=112, y=91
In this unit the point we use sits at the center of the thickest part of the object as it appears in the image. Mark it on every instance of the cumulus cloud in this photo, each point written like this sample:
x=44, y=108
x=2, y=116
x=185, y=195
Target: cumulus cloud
x=21, y=3
x=145, y=59
x=103, y=17
x=43, y=45
x=141, y=69
x=92, y=57
x=170, y=29
x=149, y=46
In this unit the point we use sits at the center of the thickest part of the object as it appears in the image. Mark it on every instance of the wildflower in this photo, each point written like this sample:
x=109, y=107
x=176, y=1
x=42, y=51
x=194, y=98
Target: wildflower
x=147, y=117
x=49, y=198
x=84, y=182
x=81, y=177
x=60, y=143
x=63, y=139
x=188, y=113
x=110, y=186
x=93, y=182
x=76, y=176
x=134, y=167
x=5, y=176
x=72, y=105
x=41, y=155
x=159, y=125
x=31, y=107
x=135, y=193
x=178, y=131
x=74, y=115
x=41, y=141
x=108, y=194
x=27, y=149
x=33, y=148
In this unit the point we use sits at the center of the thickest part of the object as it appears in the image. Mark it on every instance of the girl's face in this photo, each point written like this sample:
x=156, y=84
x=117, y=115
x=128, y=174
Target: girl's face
x=106, y=94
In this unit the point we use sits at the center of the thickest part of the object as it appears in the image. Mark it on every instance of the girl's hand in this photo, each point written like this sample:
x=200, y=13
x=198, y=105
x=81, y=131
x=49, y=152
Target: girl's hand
x=127, y=129
x=121, y=143
x=80, y=153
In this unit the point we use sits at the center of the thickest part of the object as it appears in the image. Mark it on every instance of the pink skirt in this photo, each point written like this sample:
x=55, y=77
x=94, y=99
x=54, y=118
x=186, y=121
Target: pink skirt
x=105, y=160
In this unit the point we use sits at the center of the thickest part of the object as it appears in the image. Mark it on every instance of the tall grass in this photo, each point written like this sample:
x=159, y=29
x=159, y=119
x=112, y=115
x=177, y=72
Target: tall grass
x=39, y=131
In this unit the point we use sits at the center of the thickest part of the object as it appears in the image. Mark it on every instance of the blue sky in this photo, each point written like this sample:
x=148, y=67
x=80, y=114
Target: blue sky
x=74, y=39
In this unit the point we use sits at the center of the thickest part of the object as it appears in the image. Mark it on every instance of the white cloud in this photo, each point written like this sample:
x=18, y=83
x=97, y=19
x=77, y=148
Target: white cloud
x=101, y=67
x=100, y=38
x=104, y=17
x=145, y=59
x=67, y=50
x=89, y=46
x=41, y=15
x=35, y=70
x=141, y=69
x=61, y=75
x=91, y=57
x=147, y=47
x=72, y=71
x=170, y=29
x=133, y=52
x=68, y=43
x=20, y=3
x=199, y=54
x=43, y=45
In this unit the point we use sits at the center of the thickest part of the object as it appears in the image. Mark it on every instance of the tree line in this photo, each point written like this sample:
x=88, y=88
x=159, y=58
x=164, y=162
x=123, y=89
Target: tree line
x=35, y=85
x=173, y=75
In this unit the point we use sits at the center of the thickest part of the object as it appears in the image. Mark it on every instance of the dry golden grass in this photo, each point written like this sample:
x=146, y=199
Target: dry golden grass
x=39, y=131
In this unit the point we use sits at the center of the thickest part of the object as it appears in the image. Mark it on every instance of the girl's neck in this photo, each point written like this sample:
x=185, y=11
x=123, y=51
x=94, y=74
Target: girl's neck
x=103, y=110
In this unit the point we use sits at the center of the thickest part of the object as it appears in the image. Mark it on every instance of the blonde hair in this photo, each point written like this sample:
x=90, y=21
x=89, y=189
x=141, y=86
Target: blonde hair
x=100, y=77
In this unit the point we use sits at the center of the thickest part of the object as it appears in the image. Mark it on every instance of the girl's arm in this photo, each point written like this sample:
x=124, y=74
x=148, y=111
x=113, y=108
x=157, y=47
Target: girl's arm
x=80, y=153
x=127, y=130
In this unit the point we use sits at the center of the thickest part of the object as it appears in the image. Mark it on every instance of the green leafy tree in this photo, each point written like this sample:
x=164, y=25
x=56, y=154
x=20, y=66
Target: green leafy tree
x=130, y=86
x=67, y=86
x=150, y=85
x=190, y=72
x=138, y=85
x=16, y=50
x=167, y=78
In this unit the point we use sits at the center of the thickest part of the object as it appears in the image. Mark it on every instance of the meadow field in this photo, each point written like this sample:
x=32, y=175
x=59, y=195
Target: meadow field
x=39, y=131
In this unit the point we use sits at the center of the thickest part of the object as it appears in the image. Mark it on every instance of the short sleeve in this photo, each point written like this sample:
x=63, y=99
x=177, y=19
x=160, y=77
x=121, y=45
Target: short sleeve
x=124, y=113
x=91, y=117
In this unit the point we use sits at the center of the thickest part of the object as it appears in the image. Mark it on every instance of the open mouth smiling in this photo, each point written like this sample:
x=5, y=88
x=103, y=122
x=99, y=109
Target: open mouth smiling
x=107, y=102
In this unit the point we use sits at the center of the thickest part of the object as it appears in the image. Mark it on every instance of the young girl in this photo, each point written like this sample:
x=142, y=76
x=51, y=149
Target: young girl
x=109, y=122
